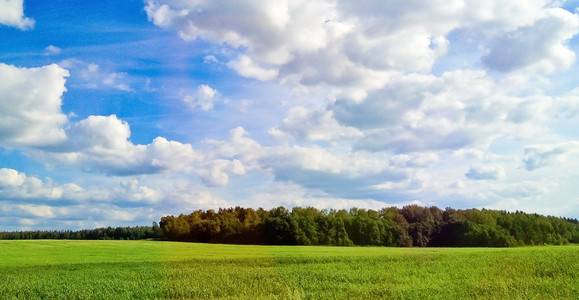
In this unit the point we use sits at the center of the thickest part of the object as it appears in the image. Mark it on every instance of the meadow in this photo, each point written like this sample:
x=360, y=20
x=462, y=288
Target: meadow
x=61, y=269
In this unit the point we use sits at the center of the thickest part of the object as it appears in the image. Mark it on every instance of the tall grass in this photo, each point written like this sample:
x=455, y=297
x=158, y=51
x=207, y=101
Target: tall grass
x=150, y=270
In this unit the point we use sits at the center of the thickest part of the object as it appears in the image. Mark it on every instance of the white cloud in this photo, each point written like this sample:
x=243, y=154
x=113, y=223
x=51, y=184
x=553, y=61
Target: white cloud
x=462, y=109
x=415, y=160
x=352, y=47
x=567, y=106
x=52, y=50
x=217, y=173
x=30, y=105
x=28, y=197
x=42, y=211
x=422, y=113
x=290, y=195
x=541, y=45
x=311, y=125
x=246, y=67
x=172, y=155
x=11, y=178
x=187, y=196
x=73, y=216
x=459, y=184
x=538, y=156
x=273, y=30
x=313, y=167
x=210, y=59
x=468, y=154
x=100, y=133
x=117, y=81
x=101, y=144
x=204, y=98
x=16, y=185
x=485, y=172
x=133, y=191
x=12, y=14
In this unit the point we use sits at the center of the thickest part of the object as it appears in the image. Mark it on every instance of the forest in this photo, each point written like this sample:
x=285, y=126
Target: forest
x=109, y=233
x=409, y=226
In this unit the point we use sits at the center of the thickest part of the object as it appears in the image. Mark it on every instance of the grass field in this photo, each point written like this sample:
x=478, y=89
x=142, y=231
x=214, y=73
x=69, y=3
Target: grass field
x=148, y=270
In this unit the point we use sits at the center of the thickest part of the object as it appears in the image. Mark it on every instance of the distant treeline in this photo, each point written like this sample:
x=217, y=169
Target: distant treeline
x=109, y=233
x=403, y=227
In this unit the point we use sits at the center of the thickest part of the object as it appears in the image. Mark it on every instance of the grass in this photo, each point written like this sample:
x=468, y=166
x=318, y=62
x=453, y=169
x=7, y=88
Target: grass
x=150, y=270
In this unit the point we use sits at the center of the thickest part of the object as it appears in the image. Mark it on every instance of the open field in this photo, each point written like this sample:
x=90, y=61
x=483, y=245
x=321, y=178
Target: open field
x=148, y=269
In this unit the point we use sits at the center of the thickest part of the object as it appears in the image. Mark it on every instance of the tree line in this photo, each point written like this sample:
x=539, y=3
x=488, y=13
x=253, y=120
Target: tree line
x=109, y=233
x=408, y=226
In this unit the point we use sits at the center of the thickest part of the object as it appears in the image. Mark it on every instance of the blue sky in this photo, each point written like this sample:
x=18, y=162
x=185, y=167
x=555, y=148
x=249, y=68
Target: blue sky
x=116, y=113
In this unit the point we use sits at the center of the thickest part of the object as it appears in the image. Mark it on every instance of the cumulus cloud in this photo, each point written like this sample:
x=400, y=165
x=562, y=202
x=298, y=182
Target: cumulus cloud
x=538, y=156
x=42, y=211
x=16, y=185
x=101, y=144
x=12, y=14
x=353, y=47
x=293, y=41
x=542, y=44
x=134, y=192
x=20, y=187
x=246, y=67
x=265, y=28
x=424, y=113
x=461, y=109
x=314, y=167
x=485, y=172
x=311, y=125
x=203, y=98
x=218, y=171
x=73, y=216
x=33, y=201
x=290, y=195
x=31, y=117
x=30, y=105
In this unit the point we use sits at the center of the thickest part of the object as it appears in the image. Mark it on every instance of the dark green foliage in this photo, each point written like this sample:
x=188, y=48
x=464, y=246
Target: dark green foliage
x=279, y=228
x=405, y=227
x=109, y=233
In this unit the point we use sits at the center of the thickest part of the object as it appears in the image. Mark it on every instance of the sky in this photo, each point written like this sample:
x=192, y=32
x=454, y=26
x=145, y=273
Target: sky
x=116, y=113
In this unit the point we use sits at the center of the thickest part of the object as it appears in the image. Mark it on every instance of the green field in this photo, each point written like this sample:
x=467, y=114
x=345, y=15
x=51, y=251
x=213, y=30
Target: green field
x=42, y=269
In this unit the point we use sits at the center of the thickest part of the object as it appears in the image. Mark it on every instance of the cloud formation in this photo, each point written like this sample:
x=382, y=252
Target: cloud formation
x=485, y=172
x=538, y=156
x=101, y=144
x=541, y=45
x=12, y=14
x=30, y=106
x=203, y=98
x=32, y=118
x=354, y=48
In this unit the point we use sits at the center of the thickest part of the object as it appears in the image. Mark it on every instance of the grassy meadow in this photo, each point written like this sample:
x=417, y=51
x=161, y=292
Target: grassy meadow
x=41, y=269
